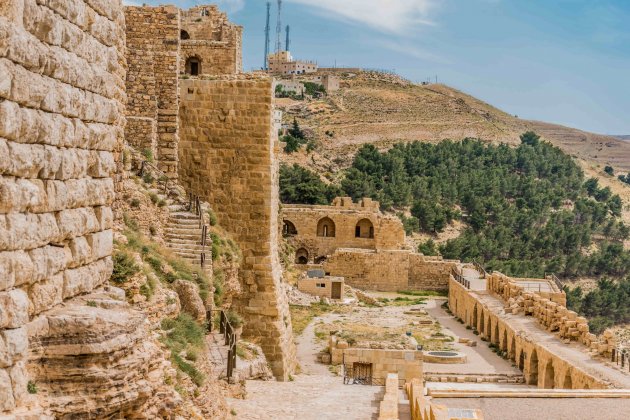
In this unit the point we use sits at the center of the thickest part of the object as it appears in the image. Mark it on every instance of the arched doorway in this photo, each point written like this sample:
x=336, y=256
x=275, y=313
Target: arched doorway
x=184, y=35
x=482, y=325
x=549, y=378
x=326, y=228
x=193, y=66
x=475, y=321
x=364, y=229
x=521, y=361
x=504, y=342
x=568, y=382
x=495, y=334
x=532, y=377
x=512, y=349
x=288, y=229
x=320, y=260
x=301, y=256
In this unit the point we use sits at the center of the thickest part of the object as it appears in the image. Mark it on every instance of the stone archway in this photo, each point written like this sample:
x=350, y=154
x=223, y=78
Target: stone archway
x=495, y=333
x=567, y=383
x=326, y=228
x=475, y=320
x=532, y=369
x=301, y=256
x=289, y=229
x=184, y=35
x=521, y=361
x=364, y=229
x=504, y=342
x=512, y=349
x=482, y=324
x=549, y=378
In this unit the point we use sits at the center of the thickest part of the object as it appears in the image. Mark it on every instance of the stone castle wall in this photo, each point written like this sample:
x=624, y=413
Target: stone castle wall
x=62, y=95
x=152, y=82
x=389, y=270
x=229, y=156
x=388, y=232
x=213, y=39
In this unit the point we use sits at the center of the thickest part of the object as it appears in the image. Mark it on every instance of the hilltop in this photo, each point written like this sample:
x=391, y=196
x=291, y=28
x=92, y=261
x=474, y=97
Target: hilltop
x=384, y=109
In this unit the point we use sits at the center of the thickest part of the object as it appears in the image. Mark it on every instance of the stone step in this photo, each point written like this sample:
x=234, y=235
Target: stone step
x=185, y=237
x=195, y=231
x=181, y=240
x=187, y=249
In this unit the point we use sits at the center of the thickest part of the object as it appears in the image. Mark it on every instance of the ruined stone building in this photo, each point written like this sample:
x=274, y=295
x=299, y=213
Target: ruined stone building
x=358, y=242
x=213, y=128
x=164, y=43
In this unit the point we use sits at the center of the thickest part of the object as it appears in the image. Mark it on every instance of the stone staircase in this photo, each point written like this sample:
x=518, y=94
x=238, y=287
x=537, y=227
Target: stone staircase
x=183, y=236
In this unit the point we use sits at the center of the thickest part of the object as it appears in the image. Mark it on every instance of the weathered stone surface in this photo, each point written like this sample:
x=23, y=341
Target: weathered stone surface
x=192, y=304
x=13, y=309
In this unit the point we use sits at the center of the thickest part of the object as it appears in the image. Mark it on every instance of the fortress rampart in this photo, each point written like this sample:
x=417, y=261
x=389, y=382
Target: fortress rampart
x=229, y=156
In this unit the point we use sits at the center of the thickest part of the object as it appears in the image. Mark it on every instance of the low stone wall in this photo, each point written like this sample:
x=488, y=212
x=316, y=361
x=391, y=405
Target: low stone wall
x=422, y=407
x=407, y=364
x=540, y=366
x=388, y=408
x=550, y=311
x=389, y=270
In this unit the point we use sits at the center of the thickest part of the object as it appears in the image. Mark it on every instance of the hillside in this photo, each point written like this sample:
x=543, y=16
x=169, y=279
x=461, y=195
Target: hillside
x=384, y=109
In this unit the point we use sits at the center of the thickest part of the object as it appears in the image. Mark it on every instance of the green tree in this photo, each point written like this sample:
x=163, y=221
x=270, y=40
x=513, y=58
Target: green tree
x=530, y=138
x=609, y=170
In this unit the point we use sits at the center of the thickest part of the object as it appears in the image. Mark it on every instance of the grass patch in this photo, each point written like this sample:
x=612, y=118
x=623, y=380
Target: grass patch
x=184, y=336
x=124, y=267
x=301, y=316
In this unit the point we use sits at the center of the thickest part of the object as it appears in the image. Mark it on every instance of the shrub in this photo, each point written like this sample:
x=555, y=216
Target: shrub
x=135, y=203
x=31, y=387
x=152, y=230
x=161, y=203
x=148, y=178
x=91, y=303
x=130, y=223
x=609, y=170
x=234, y=319
x=154, y=198
x=148, y=154
x=124, y=267
x=212, y=217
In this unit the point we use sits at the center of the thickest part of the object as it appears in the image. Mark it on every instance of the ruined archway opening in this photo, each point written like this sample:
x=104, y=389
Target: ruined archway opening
x=289, y=229
x=495, y=334
x=184, y=35
x=193, y=66
x=364, y=229
x=533, y=369
x=326, y=228
x=512, y=349
x=521, y=361
x=504, y=342
x=548, y=381
x=482, y=326
x=320, y=260
x=301, y=256
x=475, y=323
x=568, y=382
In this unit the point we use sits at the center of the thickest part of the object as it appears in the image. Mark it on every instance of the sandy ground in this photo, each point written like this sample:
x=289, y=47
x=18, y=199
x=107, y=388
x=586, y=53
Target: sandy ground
x=313, y=395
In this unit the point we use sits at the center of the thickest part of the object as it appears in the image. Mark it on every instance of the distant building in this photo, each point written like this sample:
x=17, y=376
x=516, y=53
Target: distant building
x=290, y=86
x=283, y=63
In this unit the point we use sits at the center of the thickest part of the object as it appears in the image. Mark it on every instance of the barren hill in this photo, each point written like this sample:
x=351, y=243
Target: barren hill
x=384, y=109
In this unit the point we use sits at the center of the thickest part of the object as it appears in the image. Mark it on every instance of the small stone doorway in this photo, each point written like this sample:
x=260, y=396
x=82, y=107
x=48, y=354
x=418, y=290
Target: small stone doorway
x=336, y=290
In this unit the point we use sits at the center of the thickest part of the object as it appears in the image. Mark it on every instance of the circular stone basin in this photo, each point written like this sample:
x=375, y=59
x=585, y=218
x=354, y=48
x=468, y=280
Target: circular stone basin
x=443, y=357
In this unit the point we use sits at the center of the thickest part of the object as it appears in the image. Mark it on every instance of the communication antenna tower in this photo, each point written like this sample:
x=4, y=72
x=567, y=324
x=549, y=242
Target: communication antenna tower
x=279, y=28
x=267, y=30
x=288, y=40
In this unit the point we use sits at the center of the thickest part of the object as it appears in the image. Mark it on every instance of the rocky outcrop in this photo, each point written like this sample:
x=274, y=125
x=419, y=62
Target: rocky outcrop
x=189, y=297
x=94, y=358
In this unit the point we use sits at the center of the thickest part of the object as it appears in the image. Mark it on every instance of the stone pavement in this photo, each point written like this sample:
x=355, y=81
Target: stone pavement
x=315, y=394
x=481, y=360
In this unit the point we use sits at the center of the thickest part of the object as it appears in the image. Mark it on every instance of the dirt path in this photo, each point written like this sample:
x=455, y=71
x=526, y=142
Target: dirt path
x=313, y=395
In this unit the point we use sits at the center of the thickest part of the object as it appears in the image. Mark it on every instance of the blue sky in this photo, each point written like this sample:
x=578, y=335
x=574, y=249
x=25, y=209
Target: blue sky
x=562, y=61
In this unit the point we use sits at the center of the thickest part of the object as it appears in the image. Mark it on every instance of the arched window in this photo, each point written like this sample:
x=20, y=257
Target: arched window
x=288, y=229
x=193, y=66
x=364, y=229
x=326, y=227
x=301, y=256
x=184, y=35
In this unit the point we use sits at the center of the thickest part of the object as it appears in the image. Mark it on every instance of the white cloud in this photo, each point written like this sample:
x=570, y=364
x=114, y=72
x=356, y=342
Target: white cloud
x=411, y=50
x=395, y=16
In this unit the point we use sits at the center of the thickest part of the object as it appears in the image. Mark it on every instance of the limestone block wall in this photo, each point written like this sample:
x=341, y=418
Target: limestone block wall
x=540, y=365
x=62, y=95
x=343, y=217
x=212, y=39
x=152, y=82
x=389, y=270
x=406, y=363
x=549, y=309
x=229, y=156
